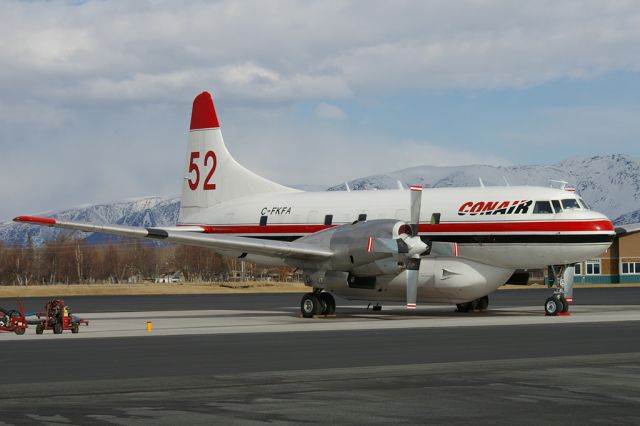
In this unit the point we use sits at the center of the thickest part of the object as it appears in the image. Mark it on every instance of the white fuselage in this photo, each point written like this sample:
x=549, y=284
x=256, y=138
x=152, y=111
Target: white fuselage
x=514, y=237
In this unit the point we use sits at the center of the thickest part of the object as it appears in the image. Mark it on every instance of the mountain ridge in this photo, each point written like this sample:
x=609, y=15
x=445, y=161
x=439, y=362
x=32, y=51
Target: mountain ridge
x=610, y=184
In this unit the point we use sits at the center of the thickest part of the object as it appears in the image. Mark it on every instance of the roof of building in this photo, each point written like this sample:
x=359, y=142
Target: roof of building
x=627, y=229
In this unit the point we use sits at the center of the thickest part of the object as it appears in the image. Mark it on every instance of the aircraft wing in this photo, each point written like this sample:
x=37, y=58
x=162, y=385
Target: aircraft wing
x=194, y=236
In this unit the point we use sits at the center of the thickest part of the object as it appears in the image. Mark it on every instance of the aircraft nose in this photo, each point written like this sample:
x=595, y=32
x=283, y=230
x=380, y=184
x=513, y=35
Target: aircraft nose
x=603, y=222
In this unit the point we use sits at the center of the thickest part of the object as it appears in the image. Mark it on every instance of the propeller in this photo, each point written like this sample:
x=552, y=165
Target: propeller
x=415, y=246
x=407, y=247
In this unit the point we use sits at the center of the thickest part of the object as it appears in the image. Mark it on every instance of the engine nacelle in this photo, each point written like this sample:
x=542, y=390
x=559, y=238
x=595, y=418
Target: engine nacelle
x=441, y=279
x=366, y=248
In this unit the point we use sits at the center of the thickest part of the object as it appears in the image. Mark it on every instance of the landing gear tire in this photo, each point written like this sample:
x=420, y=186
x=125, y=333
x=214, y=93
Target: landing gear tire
x=553, y=306
x=464, y=307
x=565, y=307
x=483, y=303
x=329, y=303
x=311, y=305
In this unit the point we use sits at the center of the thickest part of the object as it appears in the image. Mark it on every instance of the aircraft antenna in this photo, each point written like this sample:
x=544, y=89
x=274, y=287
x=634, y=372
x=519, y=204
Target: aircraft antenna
x=563, y=183
x=481, y=182
x=505, y=180
x=400, y=185
x=346, y=185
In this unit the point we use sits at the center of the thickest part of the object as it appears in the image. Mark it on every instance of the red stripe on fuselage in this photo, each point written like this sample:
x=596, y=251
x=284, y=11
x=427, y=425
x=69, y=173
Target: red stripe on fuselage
x=509, y=227
x=448, y=228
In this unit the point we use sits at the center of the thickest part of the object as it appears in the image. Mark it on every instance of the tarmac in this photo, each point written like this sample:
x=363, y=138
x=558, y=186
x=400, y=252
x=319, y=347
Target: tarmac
x=250, y=359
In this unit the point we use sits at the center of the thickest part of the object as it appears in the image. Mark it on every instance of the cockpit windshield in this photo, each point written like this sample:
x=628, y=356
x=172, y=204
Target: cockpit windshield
x=570, y=204
x=542, y=207
x=583, y=203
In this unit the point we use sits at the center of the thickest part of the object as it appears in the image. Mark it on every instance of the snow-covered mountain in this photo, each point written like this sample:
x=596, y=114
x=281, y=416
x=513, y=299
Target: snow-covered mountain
x=625, y=219
x=611, y=184
x=147, y=211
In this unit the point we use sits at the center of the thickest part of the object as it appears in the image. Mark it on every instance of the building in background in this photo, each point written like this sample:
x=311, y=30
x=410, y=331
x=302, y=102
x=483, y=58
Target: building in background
x=620, y=264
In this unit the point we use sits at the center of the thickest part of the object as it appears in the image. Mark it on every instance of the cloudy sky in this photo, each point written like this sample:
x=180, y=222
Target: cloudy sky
x=95, y=96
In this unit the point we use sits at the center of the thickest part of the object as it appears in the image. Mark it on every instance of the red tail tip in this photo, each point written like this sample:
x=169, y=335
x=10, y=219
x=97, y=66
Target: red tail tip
x=32, y=219
x=203, y=115
x=416, y=188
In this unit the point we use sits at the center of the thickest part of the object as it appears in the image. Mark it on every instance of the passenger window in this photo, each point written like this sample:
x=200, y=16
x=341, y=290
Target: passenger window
x=328, y=219
x=556, y=206
x=542, y=207
x=362, y=217
x=570, y=204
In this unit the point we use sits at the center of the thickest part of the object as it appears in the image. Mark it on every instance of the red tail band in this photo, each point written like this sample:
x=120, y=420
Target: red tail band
x=203, y=115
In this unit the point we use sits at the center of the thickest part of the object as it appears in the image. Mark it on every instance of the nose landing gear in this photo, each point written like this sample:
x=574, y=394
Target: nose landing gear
x=562, y=277
x=556, y=305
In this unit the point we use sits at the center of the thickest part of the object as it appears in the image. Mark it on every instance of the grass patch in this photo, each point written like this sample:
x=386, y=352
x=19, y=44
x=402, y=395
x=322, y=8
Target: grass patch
x=150, y=289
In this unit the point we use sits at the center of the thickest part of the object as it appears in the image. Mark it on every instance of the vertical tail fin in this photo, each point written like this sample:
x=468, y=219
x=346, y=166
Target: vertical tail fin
x=212, y=176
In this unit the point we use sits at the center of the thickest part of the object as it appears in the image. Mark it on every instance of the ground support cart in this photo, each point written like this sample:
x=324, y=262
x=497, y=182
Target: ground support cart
x=12, y=320
x=58, y=318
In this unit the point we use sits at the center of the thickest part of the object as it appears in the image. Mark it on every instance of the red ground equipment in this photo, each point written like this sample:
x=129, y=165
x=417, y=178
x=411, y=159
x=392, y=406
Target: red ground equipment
x=13, y=320
x=58, y=318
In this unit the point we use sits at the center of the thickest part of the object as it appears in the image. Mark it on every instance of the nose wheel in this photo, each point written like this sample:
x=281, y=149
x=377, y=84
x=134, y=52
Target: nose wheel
x=562, y=277
x=555, y=305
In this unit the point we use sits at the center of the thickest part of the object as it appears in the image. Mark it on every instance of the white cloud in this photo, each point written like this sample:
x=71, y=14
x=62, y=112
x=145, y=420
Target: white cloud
x=30, y=113
x=291, y=49
x=322, y=154
x=95, y=96
x=330, y=112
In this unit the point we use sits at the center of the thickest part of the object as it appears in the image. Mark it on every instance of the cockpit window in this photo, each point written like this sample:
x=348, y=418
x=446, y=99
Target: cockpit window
x=570, y=204
x=542, y=207
x=583, y=204
x=556, y=205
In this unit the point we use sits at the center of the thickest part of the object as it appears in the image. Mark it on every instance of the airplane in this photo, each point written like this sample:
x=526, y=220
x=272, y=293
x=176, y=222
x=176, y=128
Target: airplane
x=426, y=245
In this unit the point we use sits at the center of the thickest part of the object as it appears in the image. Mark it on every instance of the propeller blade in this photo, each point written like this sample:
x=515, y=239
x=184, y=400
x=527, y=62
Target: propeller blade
x=416, y=202
x=413, y=269
x=412, y=288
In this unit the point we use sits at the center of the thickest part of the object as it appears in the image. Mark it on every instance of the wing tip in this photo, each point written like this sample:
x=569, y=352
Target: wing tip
x=36, y=220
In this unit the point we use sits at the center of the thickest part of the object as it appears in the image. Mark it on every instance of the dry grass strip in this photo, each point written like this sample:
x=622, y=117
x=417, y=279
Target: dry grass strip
x=150, y=289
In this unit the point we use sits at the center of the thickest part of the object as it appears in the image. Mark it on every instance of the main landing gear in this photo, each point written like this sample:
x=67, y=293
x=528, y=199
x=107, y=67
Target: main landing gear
x=562, y=277
x=317, y=303
x=477, y=305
